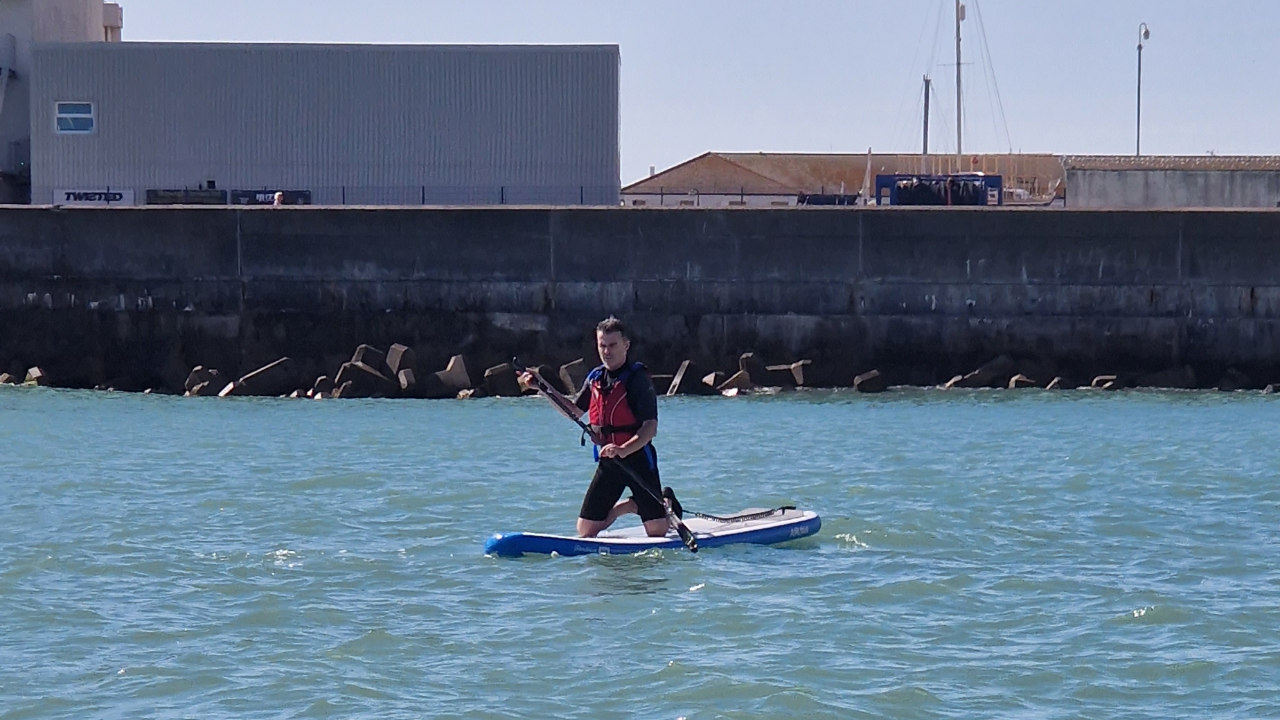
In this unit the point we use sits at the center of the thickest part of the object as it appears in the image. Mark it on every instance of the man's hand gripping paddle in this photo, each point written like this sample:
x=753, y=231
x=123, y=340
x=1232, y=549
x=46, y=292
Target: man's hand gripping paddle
x=572, y=412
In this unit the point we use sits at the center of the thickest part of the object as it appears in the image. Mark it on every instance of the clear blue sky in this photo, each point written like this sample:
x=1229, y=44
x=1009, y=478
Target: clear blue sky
x=845, y=75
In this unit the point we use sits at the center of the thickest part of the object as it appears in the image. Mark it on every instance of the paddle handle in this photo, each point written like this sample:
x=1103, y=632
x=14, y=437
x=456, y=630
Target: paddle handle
x=569, y=410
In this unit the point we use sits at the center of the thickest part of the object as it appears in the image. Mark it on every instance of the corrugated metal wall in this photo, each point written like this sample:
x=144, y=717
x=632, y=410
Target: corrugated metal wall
x=355, y=124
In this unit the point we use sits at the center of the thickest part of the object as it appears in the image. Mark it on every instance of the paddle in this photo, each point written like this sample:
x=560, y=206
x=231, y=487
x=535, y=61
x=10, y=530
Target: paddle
x=573, y=413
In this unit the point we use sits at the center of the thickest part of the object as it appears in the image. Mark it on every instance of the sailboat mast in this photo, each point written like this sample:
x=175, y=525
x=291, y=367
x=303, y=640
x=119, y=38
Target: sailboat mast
x=959, y=135
x=927, y=83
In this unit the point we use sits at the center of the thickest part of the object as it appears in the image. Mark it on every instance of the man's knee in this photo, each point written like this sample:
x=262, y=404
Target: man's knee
x=656, y=528
x=590, y=528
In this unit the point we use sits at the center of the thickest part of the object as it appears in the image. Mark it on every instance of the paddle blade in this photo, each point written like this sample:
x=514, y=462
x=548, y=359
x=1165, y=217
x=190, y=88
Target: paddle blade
x=685, y=535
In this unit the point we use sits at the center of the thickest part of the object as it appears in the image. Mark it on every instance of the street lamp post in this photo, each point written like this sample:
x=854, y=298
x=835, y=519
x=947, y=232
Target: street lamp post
x=1143, y=34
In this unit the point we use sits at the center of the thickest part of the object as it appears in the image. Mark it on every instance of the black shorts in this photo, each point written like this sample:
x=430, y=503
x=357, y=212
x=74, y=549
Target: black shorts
x=610, y=480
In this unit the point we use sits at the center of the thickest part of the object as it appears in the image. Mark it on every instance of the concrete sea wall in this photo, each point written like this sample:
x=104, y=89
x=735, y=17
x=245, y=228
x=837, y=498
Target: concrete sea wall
x=136, y=296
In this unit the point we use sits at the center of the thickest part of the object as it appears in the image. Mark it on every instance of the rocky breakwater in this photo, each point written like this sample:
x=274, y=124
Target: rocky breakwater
x=397, y=373
x=370, y=373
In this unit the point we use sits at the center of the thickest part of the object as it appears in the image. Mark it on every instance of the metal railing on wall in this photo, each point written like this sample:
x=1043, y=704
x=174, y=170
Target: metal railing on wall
x=1029, y=191
x=385, y=195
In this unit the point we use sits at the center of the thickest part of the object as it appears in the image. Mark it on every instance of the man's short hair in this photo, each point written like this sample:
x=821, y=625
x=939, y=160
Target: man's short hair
x=612, y=324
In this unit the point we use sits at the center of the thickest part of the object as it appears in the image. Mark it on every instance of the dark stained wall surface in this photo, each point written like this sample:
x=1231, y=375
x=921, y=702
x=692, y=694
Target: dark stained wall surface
x=858, y=287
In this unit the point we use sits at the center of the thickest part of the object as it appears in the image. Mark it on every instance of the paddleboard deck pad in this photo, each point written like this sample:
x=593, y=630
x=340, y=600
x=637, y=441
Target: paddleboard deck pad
x=752, y=525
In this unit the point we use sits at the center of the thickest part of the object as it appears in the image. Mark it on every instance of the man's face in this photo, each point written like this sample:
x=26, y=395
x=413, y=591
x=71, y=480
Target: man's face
x=613, y=349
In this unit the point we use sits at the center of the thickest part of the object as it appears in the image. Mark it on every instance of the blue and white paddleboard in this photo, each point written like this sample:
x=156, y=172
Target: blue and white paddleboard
x=753, y=525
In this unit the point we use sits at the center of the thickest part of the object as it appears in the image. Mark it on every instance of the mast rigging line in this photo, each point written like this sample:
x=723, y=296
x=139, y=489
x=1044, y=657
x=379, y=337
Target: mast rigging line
x=990, y=73
x=962, y=114
x=929, y=63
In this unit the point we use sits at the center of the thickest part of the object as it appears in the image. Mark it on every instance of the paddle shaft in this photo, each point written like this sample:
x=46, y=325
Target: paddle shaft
x=570, y=410
x=573, y=413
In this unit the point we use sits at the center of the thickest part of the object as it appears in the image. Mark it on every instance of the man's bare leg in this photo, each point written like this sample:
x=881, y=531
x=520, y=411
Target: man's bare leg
x=592, y=528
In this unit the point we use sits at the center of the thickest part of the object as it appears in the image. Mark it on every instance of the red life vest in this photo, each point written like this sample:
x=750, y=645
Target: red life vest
x=610, y=414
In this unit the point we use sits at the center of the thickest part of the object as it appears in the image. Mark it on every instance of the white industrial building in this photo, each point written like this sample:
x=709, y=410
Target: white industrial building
x=24, y=25
x=139, y=123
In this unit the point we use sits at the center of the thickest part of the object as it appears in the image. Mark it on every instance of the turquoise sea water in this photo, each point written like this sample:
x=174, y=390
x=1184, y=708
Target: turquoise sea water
x=997, y=554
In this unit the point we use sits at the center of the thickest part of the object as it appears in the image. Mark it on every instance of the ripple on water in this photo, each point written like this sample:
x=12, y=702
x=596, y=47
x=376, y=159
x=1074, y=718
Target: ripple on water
x=983, y=554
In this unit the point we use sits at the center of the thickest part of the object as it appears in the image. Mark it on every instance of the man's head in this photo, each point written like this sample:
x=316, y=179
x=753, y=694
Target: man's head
x=612, y=342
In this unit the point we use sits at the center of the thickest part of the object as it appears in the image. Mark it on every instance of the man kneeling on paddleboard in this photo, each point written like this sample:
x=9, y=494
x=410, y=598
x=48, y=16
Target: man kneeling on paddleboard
x=622, y=409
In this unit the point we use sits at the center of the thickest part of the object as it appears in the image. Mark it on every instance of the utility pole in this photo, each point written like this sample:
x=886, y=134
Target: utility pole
x=959, y=135
x=1143, y=34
